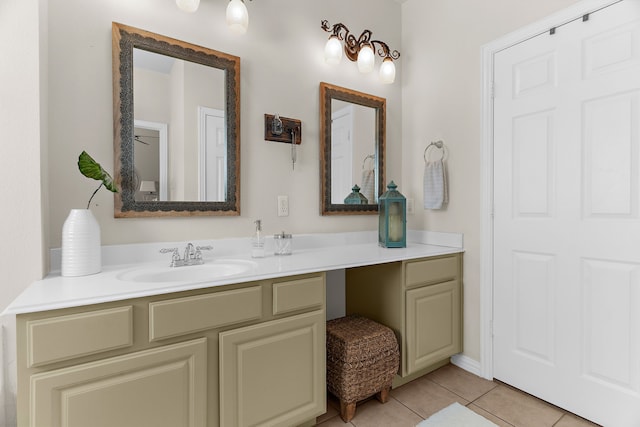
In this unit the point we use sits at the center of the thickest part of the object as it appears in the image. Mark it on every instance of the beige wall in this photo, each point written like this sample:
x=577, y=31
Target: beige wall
x=23, y=144
x=282, y=66
x=441, y=41
x=21, y=117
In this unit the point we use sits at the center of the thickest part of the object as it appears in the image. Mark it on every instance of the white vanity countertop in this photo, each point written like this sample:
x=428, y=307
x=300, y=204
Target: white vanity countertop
x=311, y=253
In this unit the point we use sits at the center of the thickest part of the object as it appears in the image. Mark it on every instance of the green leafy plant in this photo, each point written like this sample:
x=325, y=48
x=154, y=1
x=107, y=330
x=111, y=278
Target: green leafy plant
x=92, y=169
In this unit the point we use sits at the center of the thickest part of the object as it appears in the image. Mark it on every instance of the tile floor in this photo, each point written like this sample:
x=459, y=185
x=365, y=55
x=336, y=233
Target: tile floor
x=419, y=399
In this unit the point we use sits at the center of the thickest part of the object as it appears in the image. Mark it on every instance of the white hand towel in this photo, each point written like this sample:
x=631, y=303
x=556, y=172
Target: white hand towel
x=368, y=185
x=436, y=193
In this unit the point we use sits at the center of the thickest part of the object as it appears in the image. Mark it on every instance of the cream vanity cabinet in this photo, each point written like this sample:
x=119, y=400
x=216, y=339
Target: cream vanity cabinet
x=236, y=355
x=420, y=300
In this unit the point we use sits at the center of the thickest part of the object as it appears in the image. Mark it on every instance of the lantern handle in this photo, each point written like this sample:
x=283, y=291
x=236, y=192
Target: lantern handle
x=437, y=144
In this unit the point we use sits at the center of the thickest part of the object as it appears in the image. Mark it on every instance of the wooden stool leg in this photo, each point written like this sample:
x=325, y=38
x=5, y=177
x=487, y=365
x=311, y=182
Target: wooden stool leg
x=347, y=411
x=383, y=395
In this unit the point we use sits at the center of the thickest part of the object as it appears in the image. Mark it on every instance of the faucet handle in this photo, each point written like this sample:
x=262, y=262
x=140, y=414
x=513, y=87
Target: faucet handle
x=199, y=249
x=175, y=257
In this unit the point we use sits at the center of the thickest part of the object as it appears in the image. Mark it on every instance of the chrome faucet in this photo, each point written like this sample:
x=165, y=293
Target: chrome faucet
x=192, y=255
x=189, y=253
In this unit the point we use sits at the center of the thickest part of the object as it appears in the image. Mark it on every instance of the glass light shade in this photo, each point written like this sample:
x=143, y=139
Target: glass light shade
x=333, y=51
x=366, y=59
x=387, y=71
x=237, y=16
x=188, y=5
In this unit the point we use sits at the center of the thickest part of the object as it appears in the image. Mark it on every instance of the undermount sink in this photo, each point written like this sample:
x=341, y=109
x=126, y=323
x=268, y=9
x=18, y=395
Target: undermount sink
x=195, y=273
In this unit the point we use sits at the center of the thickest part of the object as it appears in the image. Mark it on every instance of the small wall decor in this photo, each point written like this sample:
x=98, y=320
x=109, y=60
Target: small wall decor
x=281, y=129
x=284, y=129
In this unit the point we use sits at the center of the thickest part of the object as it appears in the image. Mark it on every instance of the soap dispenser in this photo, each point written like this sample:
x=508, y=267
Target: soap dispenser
x=257, y=241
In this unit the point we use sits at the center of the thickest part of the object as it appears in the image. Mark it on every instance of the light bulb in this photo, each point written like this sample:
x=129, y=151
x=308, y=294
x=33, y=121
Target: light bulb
x=366, y=59
x=188, y=5
x=387, y=71
x=237, y=16
x=333, y=51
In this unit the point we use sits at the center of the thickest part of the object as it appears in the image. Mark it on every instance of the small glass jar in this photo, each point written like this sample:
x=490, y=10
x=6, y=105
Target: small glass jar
x=282, y=244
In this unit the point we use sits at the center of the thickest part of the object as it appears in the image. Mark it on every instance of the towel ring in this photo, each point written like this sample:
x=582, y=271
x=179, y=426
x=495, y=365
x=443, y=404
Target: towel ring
x=370, y=156
x=438, y=145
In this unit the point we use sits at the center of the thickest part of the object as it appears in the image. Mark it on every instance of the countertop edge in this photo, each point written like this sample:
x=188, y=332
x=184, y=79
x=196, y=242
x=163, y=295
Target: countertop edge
x=55, y=292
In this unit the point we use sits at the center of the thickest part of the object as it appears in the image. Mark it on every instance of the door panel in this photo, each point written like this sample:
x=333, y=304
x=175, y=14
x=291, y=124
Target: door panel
x=272, y=374
x=567, y=219
x=433, y=324
x=165, y=386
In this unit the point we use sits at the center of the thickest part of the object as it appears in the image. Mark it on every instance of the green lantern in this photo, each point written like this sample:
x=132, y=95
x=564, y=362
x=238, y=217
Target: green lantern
x=356, y=198
x=392, y=218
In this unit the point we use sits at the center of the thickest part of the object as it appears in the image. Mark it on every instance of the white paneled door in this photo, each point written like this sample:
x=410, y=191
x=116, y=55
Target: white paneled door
x=567, y=216
x=212, y=172
x=341, y=154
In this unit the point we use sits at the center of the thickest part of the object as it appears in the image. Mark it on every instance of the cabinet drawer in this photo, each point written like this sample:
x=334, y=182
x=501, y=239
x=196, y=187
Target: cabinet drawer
x=183, y=316
x=66, y=337
x=292, y=295
x=431, y=270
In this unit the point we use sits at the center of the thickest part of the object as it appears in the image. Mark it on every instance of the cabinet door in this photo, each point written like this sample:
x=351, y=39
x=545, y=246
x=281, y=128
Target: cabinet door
x=433, y=324
x=165, y=386
x=273, y=374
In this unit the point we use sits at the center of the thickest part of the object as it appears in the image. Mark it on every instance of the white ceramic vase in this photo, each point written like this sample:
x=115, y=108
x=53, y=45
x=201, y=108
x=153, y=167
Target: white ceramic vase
x=81, y=253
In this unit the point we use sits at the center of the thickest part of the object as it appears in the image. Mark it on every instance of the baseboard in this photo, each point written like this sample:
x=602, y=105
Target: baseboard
x=467, y=363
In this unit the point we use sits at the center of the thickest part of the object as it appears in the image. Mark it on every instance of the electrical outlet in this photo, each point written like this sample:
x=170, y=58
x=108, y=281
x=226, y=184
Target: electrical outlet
x=283, y=205
x=410, y=206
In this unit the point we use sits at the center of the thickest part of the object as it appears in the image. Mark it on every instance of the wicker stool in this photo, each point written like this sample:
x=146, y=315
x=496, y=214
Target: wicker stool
x=362, y=360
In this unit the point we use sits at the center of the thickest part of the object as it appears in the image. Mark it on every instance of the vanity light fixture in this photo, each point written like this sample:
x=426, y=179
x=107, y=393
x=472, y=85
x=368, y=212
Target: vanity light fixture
x=361, y=49
x=237, y=14
x=188, y=5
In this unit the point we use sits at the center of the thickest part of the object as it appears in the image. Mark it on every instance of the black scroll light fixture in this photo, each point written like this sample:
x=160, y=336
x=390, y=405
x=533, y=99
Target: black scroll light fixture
x=361, y=50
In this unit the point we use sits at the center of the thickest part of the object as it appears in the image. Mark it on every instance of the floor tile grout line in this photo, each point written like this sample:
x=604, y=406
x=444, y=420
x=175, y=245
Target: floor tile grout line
x=549, y=404
x=484, y=394
x=491, y=413
x=459, y=395
x=556, y=423
x=462, y=397
x=401, y=403
x=474, y=400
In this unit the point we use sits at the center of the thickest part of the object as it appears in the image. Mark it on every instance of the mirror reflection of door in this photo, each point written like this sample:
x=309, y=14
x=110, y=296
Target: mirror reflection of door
x=169, y=90
x=212, y=144
x=341, y=151
x=150, y=160
x=353, y=147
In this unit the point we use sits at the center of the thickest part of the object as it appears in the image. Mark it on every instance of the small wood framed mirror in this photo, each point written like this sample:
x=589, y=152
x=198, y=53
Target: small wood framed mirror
x=352, y=149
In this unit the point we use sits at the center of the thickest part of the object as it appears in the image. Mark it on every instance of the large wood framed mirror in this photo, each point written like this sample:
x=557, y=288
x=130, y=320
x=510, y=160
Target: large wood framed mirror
x=352, y=149
x=176, y=126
